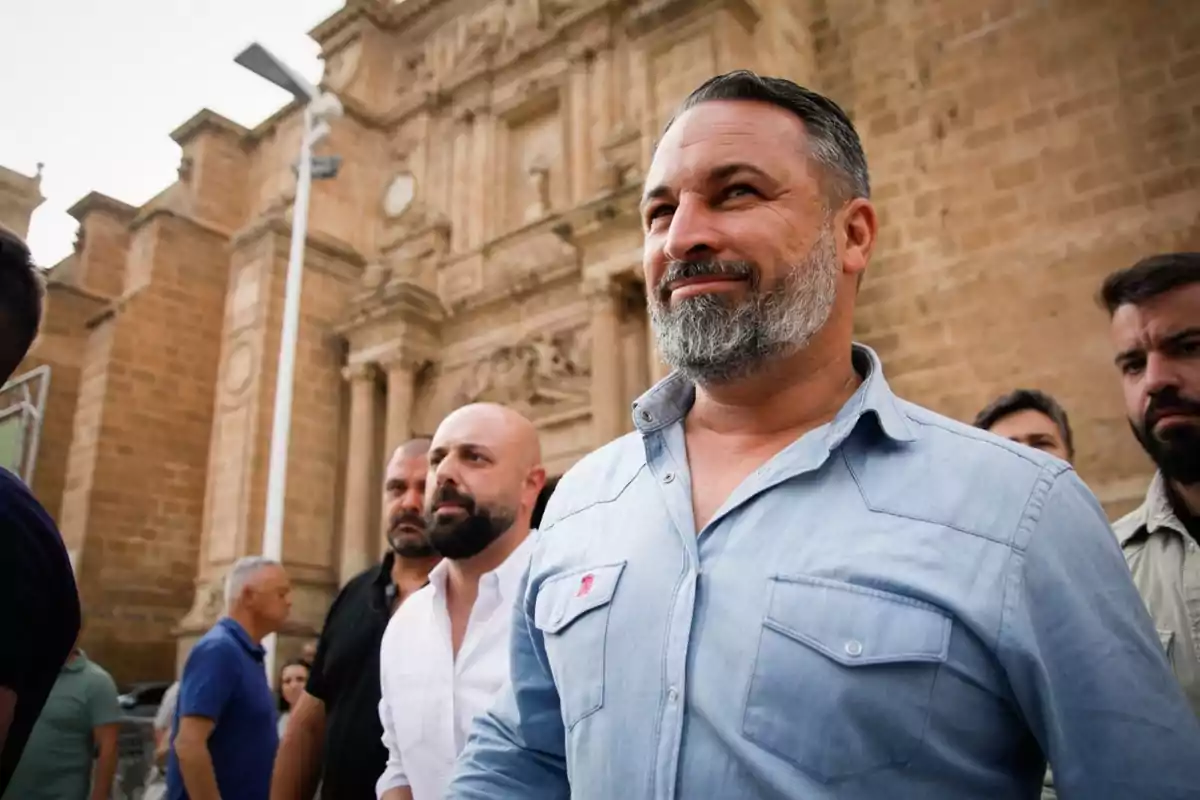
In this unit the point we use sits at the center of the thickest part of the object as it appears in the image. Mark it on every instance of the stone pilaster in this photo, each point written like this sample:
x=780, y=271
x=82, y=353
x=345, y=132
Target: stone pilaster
x=401, y=392
x=358, y=543
x=605, y=298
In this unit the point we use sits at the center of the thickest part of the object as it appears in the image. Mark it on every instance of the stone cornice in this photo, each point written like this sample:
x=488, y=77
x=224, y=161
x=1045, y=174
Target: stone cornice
x=654, y=16
x=151, y=213
x=207, y=120
x=517, y=288
x=28, y=185
x=113, y=308
x=95, y=201
x=397, y=300
x=54, y=286
x=268, y=125
x=327, y=246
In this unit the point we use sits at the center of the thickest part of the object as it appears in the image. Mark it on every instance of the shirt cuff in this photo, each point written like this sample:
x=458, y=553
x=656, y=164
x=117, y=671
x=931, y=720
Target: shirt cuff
x=392, y=778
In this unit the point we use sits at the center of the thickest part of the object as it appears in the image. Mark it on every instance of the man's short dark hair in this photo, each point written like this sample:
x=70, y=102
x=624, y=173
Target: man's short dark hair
x=1027, y=400
x=1149, y=278
x=833, y=141
x=21, y=292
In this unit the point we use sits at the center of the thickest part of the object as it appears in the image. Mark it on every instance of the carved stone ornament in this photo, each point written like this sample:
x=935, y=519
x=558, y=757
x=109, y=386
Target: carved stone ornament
x=207, y=606
x=400, y=194
x=538, y=175
x=542, y=371
x=375, y=275
x=342, y=67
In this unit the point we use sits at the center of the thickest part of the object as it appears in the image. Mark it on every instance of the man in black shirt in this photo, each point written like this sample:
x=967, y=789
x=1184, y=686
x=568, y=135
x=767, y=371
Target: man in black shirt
x=334, y=734
x=39, y=605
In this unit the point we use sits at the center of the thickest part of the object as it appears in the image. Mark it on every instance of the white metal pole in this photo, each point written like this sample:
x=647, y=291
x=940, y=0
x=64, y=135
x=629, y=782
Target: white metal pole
x=285, y=377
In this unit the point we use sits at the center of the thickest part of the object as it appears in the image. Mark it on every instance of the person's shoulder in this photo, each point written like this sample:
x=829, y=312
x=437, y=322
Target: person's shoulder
x=99, y=677
x=599, y=477
x=21, y=511
x=359, y=587
x=216, y=643
x=957, y=475
x=1128, y=525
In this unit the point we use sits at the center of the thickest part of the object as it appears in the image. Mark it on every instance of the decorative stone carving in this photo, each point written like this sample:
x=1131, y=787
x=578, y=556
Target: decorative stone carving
x=620, y=157
x=375, y=275
x=365, y=371
x=400, y=194
x=545, y=370
x=342, y=67
x=207, y=606
x=184, y=172
x=539, y=189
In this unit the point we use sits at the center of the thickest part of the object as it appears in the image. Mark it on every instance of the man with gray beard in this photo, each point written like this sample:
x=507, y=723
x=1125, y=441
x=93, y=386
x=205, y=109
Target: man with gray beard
x=790, y=583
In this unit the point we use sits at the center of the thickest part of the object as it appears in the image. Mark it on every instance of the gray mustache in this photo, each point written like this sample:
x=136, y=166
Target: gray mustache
x=680, y=270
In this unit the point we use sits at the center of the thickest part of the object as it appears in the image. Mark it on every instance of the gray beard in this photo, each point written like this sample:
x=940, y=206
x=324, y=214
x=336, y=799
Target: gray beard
x=713, y=340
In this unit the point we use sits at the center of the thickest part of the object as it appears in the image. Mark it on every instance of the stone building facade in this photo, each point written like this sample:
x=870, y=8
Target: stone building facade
x=482, y=242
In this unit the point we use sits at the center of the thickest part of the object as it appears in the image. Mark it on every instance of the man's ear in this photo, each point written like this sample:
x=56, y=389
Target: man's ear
x=535, y=481
x=856, y=228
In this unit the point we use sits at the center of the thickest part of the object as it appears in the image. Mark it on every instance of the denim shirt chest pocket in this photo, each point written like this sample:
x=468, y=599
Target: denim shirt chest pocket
x=572, y=612
x=843, y=676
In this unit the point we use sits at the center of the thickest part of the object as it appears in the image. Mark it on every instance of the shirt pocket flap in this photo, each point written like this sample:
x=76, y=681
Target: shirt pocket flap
x=856, y=625
x=565, y=598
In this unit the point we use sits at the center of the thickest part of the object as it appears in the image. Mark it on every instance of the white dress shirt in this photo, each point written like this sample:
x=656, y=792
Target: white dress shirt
x=429, y=698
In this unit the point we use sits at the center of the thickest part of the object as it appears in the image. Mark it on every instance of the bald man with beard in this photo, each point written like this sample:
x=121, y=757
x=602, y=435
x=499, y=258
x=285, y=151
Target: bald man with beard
x=333, y=733
x=445, y=652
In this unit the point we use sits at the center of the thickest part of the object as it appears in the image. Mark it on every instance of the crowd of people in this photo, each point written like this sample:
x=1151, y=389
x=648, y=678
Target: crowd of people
x=787, y=582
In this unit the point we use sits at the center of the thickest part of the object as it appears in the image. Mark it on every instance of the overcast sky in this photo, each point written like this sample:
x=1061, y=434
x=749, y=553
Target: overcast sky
x=92, y=88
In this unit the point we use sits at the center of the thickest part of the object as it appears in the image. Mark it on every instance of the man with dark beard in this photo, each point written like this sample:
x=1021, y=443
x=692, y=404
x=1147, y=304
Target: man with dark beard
x=333, y=734
x=790, y=583
x=1155, y=311
x=445, y=653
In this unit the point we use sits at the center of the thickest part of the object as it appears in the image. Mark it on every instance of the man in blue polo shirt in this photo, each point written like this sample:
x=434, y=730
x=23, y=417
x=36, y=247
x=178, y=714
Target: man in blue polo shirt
x=224, y=736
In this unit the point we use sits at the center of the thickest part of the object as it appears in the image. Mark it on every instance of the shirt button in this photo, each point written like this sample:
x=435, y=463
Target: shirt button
x=854, y=648
x=646, y=416
x=672, y=695
x=670, y=476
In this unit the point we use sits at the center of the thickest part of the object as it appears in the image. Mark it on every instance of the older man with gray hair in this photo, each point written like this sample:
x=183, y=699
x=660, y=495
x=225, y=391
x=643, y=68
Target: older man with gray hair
x=224, y=731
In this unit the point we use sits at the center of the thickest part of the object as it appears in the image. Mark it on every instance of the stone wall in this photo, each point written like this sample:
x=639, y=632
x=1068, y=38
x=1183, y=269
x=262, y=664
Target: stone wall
x=1019, y=153
x=133, y=504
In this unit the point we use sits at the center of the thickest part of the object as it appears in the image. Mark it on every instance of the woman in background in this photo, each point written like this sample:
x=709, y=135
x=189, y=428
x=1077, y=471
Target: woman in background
x=292, y=680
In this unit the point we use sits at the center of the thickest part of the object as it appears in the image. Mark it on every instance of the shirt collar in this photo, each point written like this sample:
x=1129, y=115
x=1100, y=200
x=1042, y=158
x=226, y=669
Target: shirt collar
x=239, y=634
x=668, y=402
x=506, y=578
x=1155, y=514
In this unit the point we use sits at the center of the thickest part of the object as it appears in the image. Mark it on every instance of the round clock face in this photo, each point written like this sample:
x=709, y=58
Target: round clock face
x=400, y=194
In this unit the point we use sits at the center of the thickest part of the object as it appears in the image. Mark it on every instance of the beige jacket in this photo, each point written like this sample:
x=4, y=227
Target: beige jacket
x=1165, y=562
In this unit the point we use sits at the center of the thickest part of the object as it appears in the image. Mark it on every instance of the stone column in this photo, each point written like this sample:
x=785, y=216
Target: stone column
x=607, y=394
x=358, y=543
x=400, y=395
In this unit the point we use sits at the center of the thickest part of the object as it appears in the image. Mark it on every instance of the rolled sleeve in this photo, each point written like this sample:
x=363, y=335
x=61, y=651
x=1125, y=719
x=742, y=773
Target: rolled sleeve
x=1082, y=656
x=516, y=749
x=208, y=680
x=103, y=706
x=393, y=776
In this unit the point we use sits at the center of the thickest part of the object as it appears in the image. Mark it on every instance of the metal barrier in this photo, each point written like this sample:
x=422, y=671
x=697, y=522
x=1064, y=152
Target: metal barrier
x=135, y=756
x=22, y=407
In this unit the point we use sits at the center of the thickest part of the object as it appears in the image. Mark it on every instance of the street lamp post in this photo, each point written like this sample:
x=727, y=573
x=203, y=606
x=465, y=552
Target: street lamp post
x=318, y=109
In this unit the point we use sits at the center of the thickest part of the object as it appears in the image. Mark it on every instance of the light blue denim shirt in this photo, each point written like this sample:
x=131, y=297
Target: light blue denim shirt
x=895, y=606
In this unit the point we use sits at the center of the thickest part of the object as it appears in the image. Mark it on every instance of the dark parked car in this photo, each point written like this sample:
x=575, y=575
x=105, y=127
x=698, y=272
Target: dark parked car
x=142, y=699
